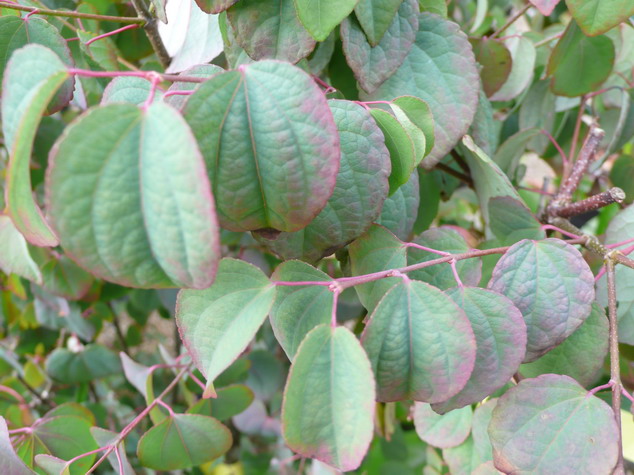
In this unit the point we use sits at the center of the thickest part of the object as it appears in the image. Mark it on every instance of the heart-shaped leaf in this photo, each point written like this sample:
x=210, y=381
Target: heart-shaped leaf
x=129, y=90
x=322, y=16
x=596, y=16
x=496, y=62
x=142, y=214
x=270, y=144
x=328, y=406
x=376, y=16
x=92, y=362
x=442, y=431
x=217, y=324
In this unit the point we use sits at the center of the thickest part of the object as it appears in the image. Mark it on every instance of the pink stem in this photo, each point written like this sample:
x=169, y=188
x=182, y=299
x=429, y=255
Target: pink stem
x=197, y=381
x=21, y=430
x=113, y=32
x=375, y=102
x=564, y=158
x=154, y=80
x=119, y=459
x=32, y=12
x=137, y=74
x=600, y=274
x=76, y=38
x=81, y=456
x=166, y=406
x=619, y=244
x=302, y=283
x=14, y=393
x=546, y=227
x=454, y=269
x=336, y=290
x=627, y=395
x=608, y=385
x=177, y=93
x=428, y=249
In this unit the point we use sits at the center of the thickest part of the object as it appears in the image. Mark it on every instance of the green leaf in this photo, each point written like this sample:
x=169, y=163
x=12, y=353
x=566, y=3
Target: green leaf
x=400, y=146
x=508, y=155
x=538, y=112
x=105, y=437
x=138, y=210
x=328, y=407
x=231, y=401
x=372, y=63
x=484, y=129
x=430, y=67
x=580, y=356
x=596, y=16
x=376, y=250
x=496, y=62
x=362, y=186
x=214, y=6
x=102, y=53
x=552, y=421
x=551, y=284
x=64, y=278
x=419, y=113
x=92, y=362
x=376, y=16
x=322, y=16
x=523, y=54
x=420, y=344
x=270, y=144
x=299, y=309
x=141, y=377
x=12, y=464
x=129, y=90
x=183, y=441
x=199, y=71
x=401, y=209
x=15, y=257
x=580, y=64
x=500, y=334
x=72, y=409
x=17, y=32
x=52, y=465
x=442, y=431
x=622, y=175
x=31, y=78
x=446, y=240
x=217, y=324
x=270, y=30
x=511, y=220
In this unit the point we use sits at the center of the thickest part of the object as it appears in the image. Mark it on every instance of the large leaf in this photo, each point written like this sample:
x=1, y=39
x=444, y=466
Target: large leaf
x=376, y=16
x=420, y=344
x=270, y=30
x=580, y=356
x=328, y=405
x=12, y=464
x=378, y=249
x=580, y=64
x=15, y=257
x=320, y=17
x=31, y=78
x=429, y=72
x=596, y=16
x=361, y=189
x=500, y=334
x=138, y=209
x=183, y=441
x=551, y=284
x=372, y=65
x=445, y=240
x=551, y=421
x=270, y=143
x=217, y=324
x=299, y=309
x=401, y=208
x=442, y=431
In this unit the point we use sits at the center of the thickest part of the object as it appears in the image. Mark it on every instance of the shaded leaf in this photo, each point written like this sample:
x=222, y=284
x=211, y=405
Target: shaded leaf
x=52, y=465
x=231, y=401
x=376, y=16
x=551, y=284
x=141, y=378
x=12, y=464
x=496, y=62
x=442, y=431
x=105, y=437
x=400, y=210
x=217, y=324
x=523, y=55
x=322, y=16
x=552, y=421
x=440, y=47
x=270, y=144
x=596, y=17
x=156, y=227
x=511, y=220
x=199, y=71
x=328, y=407
x=92, y=362
x=214, y=6
x=15, y=257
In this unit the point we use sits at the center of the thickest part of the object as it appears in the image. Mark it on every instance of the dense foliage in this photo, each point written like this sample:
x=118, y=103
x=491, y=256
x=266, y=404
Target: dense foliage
x=399, y=228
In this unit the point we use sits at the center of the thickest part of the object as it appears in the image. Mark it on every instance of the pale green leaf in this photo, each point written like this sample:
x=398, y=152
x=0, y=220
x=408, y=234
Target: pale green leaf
x=320, y=17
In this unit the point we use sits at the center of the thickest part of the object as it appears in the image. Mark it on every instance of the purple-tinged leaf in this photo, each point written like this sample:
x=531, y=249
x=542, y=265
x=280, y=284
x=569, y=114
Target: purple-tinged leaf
x=551, y=422
x=105, y=437
x=545, y=7
x=322, y=16
x=12, y=464
x=270, y=143
x=199, y=71
x=420, y=344
x=581, y=356
x=142, y=213
x=441, y=275
x=429, y=72
x=214, y=6
x=361, y=190
x=496, y=62
x=510, y=220
x=376, y=250
x=442, y=431
x=401, y=209
x=523, y=54
x=328, y=406
x=372, y=65
x=553, y=287
x=270, y=30
x=500, y=334
x=52, y=465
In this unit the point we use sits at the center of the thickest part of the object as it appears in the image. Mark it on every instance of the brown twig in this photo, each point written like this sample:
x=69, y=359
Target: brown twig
x=69, y=14
x=613, y=195
x=511, y=20
x=151, y=30
x=450, y=171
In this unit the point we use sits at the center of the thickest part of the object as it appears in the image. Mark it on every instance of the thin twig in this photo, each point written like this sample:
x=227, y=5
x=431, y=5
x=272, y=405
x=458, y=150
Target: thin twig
x=450, y=171
x=600, y=200
x=69, y=14
x=511, y=20
x=151, y=30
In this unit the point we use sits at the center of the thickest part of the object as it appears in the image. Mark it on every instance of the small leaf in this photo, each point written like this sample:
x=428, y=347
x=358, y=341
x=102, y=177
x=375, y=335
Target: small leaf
x=322, y=16
x=12, y=464
x=442, y=431
x=231, y=401
x=376, y=16
x=270, y=144
x=440, y=47
x=596, y=16
x=299, y=309
x=580, y=64
x=217, y=324
x=105, y=437
x=500, y=334
x=511, y=220
x=328, y=406
x=420, y=344
x=496, y=62
x=183, y=441
x=551, y=284
x=15, y=257
x=142, y=214
x=580, y=356
x=400, y=146
x=372, y=65
x=419, y=113
x=129, y=90
x=270, y=30
x=92, y=362
x=102, y=53
x=552, y=421
x=400, y=210
x=523, y=54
